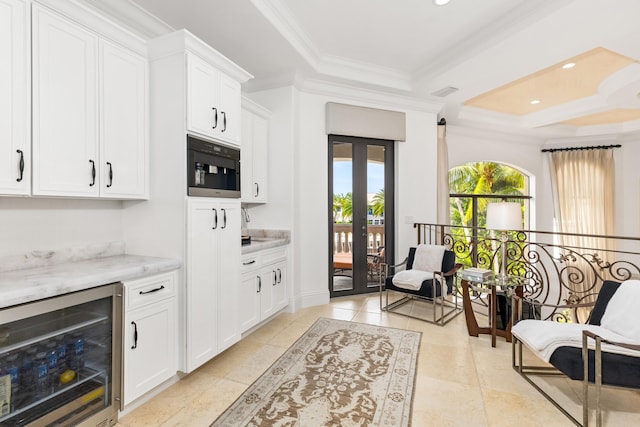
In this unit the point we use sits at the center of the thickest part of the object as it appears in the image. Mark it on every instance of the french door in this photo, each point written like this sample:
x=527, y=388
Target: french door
x=360, y=212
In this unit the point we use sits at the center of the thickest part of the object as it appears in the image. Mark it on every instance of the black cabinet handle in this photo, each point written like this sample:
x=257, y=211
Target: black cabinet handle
x=215, y=221
x=152, y=290
x=257, y=189
x=275, y=278
x=135, y=336
x=224, y=120
x=224, y=218
x=259, y=284
x=110, y=174
x=253, y=261
x=21, y=165
x=93, y=173
x=215, y=118
x=279, y=276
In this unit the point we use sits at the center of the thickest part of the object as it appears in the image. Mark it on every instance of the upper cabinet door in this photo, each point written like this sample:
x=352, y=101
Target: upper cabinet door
x=123, y=122
x=65, y=103
x=15, y=153
x=203, y=116
x=229, y=101
x=213, y=104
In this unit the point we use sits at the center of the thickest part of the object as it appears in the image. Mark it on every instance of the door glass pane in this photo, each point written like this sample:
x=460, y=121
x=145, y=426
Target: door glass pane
x=375, y=211
x=342, y=216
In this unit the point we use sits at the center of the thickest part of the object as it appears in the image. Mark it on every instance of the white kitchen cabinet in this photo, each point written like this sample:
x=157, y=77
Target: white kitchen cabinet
x=213, y=101
x=123, y=122
x=89, y=113
x=254, y=153
x=213, y=275
x=15, y=143
x=65, y=107
x=263, y=288
x=149, y=333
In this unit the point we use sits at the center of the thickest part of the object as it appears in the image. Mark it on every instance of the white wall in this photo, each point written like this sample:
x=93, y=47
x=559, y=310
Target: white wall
x=298, y=133
x=30, y=224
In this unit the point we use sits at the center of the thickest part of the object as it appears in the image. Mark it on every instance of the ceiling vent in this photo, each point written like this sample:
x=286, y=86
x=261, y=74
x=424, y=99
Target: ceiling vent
x=445, y=91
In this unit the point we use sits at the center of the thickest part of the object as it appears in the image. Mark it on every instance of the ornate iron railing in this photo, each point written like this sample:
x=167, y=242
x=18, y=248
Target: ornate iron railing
x=553, y=273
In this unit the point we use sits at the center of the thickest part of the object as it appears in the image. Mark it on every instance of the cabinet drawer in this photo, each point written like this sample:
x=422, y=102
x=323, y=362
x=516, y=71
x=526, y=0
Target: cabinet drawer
x=274, y=255
x=149, y=290
x=250, y=262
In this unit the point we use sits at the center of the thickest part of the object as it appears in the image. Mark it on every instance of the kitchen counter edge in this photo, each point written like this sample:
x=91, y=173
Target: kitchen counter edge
x=34, y=284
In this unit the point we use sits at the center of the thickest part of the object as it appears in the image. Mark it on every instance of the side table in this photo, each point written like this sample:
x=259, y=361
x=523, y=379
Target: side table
x=491, y=286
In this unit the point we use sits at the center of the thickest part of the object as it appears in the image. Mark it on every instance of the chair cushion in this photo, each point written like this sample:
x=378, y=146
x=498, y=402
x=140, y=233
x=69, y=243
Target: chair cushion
x=617, y=369
x=622, y=315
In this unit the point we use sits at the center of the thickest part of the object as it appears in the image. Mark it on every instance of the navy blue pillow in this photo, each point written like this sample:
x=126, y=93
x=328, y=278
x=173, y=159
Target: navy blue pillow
x=609, y=287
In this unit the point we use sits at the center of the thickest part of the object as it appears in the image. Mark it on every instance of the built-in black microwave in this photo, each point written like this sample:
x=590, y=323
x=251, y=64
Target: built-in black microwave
x=213, y=170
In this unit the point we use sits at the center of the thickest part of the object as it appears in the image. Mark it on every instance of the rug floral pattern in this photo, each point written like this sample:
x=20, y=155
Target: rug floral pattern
x=338, y=373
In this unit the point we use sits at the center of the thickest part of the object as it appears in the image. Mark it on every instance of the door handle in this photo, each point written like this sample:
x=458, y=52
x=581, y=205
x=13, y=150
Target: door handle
x=224, y=218
x=279, y=276
x=215, y=216
x=21, y=165
x=215, y=118
x=224, y=120
x=110, y=174
x=275, y=278
x=259, y=283
x=257, y=189
x=93, y=173
x=152, y=290
x=135, y=336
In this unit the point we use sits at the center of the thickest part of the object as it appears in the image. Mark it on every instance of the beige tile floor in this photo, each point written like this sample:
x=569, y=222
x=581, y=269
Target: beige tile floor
x=461, y=380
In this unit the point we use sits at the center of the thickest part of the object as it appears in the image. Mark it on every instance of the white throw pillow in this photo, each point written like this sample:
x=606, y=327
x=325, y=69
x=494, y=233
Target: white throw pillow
x=428, y=257
x=622, y=315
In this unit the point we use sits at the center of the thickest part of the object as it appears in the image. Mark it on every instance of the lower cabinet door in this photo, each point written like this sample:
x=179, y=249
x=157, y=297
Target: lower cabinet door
x=249, y=300
x=150, y=348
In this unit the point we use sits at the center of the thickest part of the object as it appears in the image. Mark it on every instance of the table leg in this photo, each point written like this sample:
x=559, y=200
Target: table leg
x=470, y=317
x=494, y=303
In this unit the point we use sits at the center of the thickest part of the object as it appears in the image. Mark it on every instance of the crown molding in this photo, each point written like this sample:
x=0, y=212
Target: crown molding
x=131, y=15
x=279, y=15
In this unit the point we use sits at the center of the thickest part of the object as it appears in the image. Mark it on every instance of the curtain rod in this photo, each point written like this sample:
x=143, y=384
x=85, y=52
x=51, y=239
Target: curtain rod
x=593, y=147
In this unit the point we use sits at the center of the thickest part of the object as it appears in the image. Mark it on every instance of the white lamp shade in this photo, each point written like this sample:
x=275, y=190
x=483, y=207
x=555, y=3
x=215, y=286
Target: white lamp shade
x=504, y=216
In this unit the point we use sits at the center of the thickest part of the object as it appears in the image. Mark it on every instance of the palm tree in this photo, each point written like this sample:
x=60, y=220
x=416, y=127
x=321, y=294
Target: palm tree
x=342, y=207
x=377, y=207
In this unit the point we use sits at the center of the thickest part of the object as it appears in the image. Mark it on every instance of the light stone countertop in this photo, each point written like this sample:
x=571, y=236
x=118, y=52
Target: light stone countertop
x=265, y=239
x=32, y=284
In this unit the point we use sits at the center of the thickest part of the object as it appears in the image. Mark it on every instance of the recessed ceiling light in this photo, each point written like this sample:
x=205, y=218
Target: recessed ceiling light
x=535, y=101
x=440, y=2
x=569, y=65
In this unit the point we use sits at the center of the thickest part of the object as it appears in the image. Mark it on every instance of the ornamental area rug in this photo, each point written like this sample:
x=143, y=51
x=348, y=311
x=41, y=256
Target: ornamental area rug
x=338, y=373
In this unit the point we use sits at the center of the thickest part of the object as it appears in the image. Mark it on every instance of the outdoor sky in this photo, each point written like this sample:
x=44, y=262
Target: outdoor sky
x=342, y=172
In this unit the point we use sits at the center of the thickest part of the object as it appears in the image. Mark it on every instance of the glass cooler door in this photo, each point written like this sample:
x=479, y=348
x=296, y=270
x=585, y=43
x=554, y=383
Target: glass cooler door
x=57, y=359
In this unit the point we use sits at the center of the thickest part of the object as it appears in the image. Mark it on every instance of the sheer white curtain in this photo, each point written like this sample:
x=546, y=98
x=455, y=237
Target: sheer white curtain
x=583, y=192
x=443, y=175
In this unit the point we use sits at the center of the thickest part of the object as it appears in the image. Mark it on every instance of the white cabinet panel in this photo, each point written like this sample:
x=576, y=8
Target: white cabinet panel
x=15, y=144
x=263, y=290
x=65, y=102
x=254, y=155
x=149, y=334
x=213, y=101
x=213, y=278
x=123, y=122
x=89, y=113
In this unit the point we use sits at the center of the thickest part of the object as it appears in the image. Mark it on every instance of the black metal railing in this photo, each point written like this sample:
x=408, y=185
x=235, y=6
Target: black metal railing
x=554, y=273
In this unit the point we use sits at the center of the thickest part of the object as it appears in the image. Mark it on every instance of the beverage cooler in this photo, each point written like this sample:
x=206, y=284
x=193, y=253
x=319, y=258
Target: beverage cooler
x=60, y=360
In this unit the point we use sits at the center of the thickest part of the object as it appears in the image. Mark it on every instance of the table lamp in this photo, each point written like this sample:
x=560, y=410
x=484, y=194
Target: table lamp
x=503, y=217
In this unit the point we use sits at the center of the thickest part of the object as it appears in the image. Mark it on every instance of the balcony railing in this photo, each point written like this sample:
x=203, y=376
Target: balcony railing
x=554, y=273
x=343, y=238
